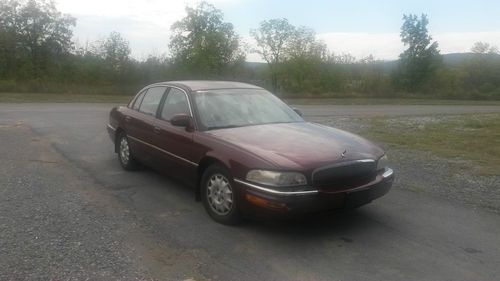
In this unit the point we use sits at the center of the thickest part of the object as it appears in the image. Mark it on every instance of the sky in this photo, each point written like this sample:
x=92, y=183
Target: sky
x=360, y=28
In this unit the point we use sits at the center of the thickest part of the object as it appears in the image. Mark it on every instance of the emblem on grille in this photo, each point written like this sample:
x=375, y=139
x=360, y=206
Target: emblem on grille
x=343, y=153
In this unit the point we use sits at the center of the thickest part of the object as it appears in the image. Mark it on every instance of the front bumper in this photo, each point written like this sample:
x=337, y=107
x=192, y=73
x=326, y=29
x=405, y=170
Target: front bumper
x=111, y=132
x=261, y=200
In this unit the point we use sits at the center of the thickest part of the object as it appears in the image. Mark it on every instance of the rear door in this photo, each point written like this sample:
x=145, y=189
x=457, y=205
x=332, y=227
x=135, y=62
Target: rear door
x=140, y=124
x=175, y=142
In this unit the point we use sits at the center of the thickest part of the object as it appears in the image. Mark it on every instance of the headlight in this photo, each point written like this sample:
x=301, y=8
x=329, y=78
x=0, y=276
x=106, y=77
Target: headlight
x=276, y=178
x=382, y=162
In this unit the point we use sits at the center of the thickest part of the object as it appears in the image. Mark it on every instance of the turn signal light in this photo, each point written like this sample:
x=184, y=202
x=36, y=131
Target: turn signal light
x=265, y=203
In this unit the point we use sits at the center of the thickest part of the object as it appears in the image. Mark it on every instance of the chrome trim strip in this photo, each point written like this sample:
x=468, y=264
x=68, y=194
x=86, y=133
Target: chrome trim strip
x=345, y=163
x=164, y=151
x=387, y=173
x=307, y=192
x=111, y=127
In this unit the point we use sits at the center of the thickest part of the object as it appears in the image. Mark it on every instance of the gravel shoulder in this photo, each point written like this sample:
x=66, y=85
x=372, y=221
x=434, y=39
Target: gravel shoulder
x=57, y=223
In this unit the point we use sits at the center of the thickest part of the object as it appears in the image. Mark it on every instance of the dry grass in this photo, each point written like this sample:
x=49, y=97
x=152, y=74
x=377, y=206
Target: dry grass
x=470, y=139
x=95, y=98
x=386, y=101
x=61, y=98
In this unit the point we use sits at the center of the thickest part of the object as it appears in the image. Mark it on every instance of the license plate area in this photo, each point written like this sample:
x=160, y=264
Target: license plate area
x=357, y=198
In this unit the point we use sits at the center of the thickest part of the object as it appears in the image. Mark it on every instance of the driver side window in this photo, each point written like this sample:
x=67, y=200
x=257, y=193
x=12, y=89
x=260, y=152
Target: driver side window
x=175, y=103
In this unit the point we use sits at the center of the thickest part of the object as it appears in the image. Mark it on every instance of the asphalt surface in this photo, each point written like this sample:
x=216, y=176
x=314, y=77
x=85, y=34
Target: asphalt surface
x=68, y=211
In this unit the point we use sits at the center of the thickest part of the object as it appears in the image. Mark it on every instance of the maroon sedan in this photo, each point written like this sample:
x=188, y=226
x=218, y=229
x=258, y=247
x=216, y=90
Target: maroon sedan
x=246, y=151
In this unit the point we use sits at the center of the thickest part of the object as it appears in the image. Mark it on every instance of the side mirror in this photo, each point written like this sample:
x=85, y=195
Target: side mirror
x=297, y=111
x=182, y=120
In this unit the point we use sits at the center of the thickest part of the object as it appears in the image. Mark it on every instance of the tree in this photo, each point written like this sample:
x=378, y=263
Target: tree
x=484, y=48
x=420, y=60
x=115, y=51
x=273, y=38
x=203, y=44
x=293, y=54
x=34, y=33
x=303, y=43
x=344, y=58
x=482, y=75
x=303, y=60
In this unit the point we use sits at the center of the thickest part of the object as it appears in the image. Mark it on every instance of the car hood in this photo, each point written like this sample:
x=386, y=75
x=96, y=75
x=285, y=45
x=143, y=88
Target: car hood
x=300, y=145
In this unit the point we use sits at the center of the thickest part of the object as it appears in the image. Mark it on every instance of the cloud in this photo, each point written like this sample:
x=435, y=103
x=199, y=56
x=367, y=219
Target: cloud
x=146, y=24
x=388, y=46
x=160, y=12
x=381, y=45
x=456, y=42
x=145, y=38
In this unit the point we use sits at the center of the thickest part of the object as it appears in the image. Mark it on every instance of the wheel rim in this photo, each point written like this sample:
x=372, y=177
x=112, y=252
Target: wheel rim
x=219, y=194
x=124, y=151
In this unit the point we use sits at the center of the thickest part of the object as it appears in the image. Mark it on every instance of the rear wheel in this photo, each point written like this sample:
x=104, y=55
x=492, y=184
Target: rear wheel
x=218, y=195
x=124, y=154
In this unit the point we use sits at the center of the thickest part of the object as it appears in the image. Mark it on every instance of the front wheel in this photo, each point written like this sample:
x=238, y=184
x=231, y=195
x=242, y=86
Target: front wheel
x=124, y=154
x=218, y=195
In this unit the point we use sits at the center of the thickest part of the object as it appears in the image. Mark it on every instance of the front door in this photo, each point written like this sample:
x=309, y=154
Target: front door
x=175, y=142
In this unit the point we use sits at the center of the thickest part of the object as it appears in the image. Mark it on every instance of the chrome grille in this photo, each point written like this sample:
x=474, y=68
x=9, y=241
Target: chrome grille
x=344, y=175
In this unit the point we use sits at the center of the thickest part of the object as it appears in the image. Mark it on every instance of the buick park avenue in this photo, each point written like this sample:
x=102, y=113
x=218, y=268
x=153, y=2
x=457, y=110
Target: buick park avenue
x=245, y=151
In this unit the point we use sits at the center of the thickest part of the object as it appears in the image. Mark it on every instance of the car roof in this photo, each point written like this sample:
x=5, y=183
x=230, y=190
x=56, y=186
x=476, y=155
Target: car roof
x=199, y=85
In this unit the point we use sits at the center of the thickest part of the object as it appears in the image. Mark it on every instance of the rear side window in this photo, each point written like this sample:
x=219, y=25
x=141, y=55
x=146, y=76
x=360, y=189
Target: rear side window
x=138, y=100
x=175, y=103
x=151, y=100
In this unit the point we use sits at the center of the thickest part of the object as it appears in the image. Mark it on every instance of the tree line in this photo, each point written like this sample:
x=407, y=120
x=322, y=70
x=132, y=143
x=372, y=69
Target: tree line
x=37, y=54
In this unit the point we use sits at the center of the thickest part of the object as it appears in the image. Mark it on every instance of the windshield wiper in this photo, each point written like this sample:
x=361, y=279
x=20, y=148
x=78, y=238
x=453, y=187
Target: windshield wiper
x=278, y=122
x=247, y=125
x=223, y=127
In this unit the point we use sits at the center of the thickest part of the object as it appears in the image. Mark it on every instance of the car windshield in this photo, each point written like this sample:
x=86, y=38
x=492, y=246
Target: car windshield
x=228, y=108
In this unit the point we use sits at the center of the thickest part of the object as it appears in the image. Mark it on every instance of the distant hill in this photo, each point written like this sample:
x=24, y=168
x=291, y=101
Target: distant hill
x=254, y=64
x=458, y=58
x=451, y=59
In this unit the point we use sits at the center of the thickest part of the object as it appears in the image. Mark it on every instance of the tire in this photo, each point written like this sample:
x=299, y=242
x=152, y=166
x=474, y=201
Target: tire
x=219, y=196
x=125, y=156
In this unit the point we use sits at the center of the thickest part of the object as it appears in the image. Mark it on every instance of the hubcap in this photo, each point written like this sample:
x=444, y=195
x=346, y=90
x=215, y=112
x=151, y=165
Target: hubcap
x=219, y=194
x=124, y=151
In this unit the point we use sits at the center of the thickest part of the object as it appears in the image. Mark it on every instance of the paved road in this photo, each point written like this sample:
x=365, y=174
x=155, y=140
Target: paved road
x=68, y=211
x=307, y=110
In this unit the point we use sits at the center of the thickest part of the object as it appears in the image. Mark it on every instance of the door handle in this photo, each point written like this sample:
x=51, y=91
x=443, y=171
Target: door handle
x=157, y=130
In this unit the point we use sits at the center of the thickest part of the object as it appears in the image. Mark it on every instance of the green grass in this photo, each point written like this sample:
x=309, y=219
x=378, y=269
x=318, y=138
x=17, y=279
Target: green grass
x=470, y=139
x=61, y=98
x=97, y=98
x=386, y=101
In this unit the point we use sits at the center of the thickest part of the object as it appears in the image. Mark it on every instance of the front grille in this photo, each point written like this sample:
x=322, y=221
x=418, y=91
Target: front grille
x=345, y=175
